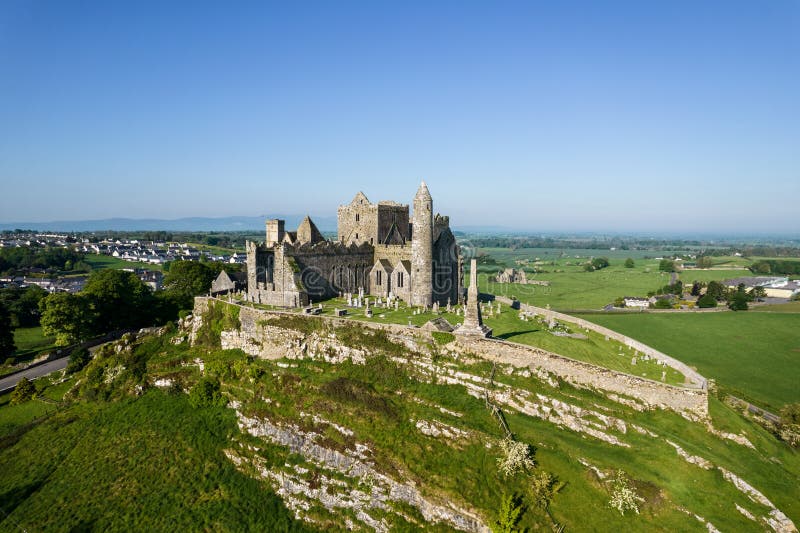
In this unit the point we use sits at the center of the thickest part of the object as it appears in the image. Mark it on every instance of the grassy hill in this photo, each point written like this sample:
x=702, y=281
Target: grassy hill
x=383, y=436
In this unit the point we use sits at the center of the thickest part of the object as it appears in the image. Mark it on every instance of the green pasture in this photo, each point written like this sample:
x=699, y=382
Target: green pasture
x=99, y=262
x=753, y=355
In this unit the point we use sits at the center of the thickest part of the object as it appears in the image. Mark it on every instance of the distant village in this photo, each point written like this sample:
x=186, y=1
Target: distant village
x=134, y=251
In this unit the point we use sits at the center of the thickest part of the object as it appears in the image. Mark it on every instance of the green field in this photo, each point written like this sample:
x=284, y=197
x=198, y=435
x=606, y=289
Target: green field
x=788, y=307
x=752, y=355
x=571, y=288
x=99, y=262
x=30, y=342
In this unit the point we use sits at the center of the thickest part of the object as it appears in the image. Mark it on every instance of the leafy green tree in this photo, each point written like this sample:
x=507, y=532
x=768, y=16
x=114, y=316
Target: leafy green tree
x=24, y=391
x=706, y=301
x=666, y=265
x=23, y=304
x=7, y=346
x=757, y=293
x=120, y=300
x=67, y=316
x=629, y=263
x=509, y=514
x=739, y=299
x=716, y=289
x=206, y=393
x=187, y=279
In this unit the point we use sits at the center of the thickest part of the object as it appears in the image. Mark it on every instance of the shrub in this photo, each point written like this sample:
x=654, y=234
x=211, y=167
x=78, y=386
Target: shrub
x=517, y=456
x=623, y=497
x=78, y=359
x=509, y=514
x=206, y=393
x=443, y=337
x=706, y=301
x=24, y=391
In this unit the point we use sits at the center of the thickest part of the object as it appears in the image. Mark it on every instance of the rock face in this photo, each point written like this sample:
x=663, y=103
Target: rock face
x=256, y=336
x=380, y=489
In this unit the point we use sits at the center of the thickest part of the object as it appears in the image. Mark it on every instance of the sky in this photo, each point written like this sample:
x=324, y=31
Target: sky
x=535, y=115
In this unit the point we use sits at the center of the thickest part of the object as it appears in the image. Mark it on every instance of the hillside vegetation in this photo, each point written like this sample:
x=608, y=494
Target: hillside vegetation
x=371, y=434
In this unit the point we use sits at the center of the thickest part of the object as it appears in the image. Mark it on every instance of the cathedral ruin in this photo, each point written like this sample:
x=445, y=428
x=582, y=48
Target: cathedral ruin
x=381, y=249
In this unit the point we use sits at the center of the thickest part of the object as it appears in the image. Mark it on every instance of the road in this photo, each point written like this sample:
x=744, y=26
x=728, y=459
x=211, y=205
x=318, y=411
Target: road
x=9, y=382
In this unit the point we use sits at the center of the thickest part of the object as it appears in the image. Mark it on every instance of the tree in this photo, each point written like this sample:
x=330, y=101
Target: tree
x=757, y=293
x=187, y=279
x=67, y=316
x=7, y=346
x=629, y=263
x=716, y=290
x=24, y=391
x=696, y=287
x=120, y=300
x=739, y=299
x=706, y=301
x=705, y=262
x=666, y=265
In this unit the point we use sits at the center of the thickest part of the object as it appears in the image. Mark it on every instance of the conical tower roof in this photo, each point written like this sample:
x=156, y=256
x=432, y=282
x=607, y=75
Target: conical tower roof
x=423, y=192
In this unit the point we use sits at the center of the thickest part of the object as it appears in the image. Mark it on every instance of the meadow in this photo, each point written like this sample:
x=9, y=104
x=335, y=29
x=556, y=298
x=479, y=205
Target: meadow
x=572, y=288
x=753, y=355
x=99, y=262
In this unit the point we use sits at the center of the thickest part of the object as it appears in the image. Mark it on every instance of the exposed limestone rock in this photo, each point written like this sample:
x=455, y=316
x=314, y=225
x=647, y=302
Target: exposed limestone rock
x=745, y=512
x=693, y=459
x=778, y=521
x=356, y=465
x=434, y=428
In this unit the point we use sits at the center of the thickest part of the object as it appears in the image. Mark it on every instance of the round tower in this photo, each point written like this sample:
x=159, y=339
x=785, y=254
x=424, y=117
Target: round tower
x=422, y=248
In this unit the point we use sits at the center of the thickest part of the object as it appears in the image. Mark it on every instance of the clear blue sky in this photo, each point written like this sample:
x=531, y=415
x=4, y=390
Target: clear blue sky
x=628, y=116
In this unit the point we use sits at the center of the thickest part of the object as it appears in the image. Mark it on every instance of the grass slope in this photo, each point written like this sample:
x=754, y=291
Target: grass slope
x=147, y=463
x=111, y=460
x=753, y=355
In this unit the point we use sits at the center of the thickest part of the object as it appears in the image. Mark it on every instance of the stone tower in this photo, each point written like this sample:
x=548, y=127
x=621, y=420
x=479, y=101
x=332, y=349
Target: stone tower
x=422, y=248
x=275, y=232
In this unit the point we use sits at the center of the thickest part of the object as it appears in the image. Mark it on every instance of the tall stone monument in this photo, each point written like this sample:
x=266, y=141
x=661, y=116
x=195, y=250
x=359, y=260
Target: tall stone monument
x=473, y=322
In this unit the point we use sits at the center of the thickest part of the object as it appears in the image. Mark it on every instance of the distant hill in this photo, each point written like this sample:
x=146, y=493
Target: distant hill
x=238, y=223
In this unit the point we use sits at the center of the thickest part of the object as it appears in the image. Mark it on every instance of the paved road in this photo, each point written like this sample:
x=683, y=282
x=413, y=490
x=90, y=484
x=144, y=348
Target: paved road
x=9, y=382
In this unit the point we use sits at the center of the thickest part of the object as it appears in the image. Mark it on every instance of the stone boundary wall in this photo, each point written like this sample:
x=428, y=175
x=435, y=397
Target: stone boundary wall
x=695, y=379
x=650, y=393
x=262, y=340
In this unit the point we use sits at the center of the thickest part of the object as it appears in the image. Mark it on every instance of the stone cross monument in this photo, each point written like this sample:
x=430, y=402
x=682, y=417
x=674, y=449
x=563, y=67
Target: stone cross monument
x=473, y=322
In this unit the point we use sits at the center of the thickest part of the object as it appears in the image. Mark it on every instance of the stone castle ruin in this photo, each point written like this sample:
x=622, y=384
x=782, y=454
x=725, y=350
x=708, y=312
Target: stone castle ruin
x=381, y=250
